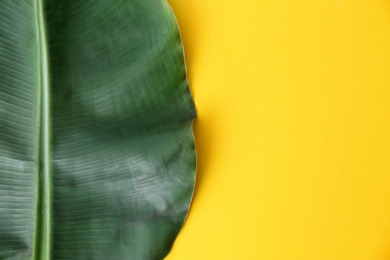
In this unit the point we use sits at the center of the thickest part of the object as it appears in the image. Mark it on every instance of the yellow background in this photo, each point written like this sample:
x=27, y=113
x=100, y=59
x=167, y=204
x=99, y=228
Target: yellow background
x=293, y=131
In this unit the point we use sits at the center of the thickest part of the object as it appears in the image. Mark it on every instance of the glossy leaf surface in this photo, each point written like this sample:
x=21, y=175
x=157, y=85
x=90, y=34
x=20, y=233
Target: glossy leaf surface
x=97, y=157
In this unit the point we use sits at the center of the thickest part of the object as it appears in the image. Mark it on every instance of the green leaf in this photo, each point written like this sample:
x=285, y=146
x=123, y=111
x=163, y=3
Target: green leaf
x=97, y=156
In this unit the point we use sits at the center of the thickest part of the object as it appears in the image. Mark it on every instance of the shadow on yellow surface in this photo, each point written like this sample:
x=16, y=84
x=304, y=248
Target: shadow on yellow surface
x=202, y=130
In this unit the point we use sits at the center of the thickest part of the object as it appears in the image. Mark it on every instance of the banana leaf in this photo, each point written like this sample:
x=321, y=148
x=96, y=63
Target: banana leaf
x=97, y=156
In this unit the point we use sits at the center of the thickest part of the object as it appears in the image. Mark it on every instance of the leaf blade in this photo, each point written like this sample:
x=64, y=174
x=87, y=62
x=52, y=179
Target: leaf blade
x=19, y=129
x=123, y=156
x=123, y=162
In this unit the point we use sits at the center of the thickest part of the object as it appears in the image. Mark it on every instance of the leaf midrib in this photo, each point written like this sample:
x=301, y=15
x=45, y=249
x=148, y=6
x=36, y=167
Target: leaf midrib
x=42, y=241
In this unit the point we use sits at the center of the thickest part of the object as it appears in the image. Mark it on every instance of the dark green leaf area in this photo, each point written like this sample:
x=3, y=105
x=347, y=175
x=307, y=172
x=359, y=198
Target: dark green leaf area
x=121, y=145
